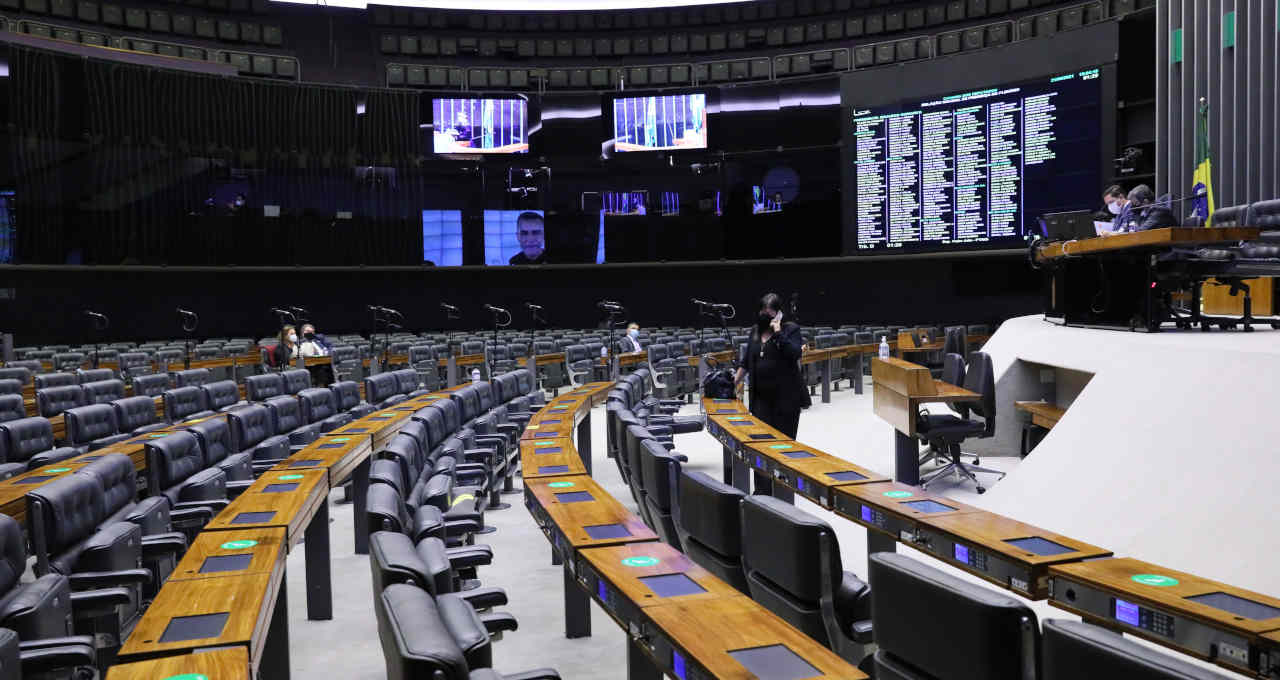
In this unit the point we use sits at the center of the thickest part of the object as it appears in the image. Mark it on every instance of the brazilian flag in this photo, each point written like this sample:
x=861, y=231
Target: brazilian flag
x=1202, y=189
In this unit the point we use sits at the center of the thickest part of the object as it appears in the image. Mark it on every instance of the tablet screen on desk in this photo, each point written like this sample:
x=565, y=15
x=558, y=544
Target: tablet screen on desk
x=547, y=449
x=1039, y=546
x=846, y=476
x=928, y=506
x=253, y=517
x=552, y=469
x=35, y=480
x=280, y=488
x=216, y=563
x=797, y=454
x=575, y=497
x=603, y=531
x=775, y=662
x=198, y=627
x=672, y=585
x=1237, y=605
x=761, y=436
x=304, y=463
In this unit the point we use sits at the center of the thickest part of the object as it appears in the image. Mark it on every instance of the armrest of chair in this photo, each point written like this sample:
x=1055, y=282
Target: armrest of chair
x=498, y=622
x=660, y=431
x=508, y=428
x=234, y=489
x=484, y=598
x=536, y=674
x=101, y=599
x=94, y=580
x=172, y=543
x=195, y=516
x=470, y=556
x=213, y=504
x=460, y=527
x=38, y=657
x=861, y=632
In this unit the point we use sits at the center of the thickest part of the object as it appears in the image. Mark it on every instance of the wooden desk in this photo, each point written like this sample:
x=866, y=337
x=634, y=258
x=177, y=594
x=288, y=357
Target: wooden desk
x=697, y=639
x=343, y=457
x=381, y=425
x=265, y=548
x=550, y=458
x=1001, y=550
x=808, y=471
x=247, y=606
x=575, y=513
x=899, y=387
x=894, y=510
x=734, y=433
x=723, y=407
x=1171, y=608
x=549, y=428
x=231, y=663
x=303, y=508
x=1152, y=238
x=1043, y=415
x=13, y=491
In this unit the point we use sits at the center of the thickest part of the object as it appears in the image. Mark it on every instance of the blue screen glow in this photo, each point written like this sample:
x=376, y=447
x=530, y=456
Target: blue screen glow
x=1127, y=612
x=962, y=554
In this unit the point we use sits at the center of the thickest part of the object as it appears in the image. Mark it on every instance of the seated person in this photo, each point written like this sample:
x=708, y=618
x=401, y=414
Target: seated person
x=1118, y=209
x=286, y=349
x=631, y=341
x=313, y=344
x=1146, y=213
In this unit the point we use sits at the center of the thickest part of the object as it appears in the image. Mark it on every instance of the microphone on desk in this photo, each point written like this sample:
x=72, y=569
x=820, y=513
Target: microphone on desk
x=187, y=312
x=448, y=307
x=530, y=305
x=609, y=306
x=100, y=321
x=494, y=310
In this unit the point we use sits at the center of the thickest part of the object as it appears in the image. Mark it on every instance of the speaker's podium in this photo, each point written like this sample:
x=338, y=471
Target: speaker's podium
x=899, y=387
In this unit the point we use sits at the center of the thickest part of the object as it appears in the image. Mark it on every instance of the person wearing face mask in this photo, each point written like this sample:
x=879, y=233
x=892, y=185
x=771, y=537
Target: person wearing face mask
x=313, y=344
x=286, y=350
x=1118, y=206
x=773, y=363
x=631, y=341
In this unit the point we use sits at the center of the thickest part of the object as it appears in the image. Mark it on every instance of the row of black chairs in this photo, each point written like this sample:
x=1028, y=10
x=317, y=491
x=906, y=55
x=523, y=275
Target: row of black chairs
x=430, y=486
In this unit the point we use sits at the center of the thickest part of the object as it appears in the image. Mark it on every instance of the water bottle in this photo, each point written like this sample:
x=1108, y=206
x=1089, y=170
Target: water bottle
x=884, y=348
x=604, y=351
x=475, y=375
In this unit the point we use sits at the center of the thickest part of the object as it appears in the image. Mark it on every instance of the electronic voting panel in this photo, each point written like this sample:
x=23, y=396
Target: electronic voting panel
x=892, y=507
x=1232, y=627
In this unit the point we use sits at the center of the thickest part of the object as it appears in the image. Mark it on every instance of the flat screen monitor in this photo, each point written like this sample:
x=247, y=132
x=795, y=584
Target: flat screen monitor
x=975, y=169
x=668, y=122
x=479, y=125
x=442, y=237
x=515, y=237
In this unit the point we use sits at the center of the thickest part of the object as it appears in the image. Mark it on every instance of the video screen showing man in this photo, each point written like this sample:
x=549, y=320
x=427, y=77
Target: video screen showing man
x=531, y=233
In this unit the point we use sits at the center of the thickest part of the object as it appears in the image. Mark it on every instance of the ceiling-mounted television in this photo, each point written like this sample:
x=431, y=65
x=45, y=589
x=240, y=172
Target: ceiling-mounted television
x=471, y=125
x=659, y=122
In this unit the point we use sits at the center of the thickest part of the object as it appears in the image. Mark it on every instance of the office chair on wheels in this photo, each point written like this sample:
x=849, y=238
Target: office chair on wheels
x=944, y=433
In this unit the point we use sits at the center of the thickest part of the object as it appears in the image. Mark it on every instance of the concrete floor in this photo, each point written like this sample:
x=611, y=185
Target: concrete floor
x=348, y=647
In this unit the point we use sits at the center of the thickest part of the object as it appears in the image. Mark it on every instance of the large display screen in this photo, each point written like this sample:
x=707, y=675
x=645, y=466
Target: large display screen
x=480, y=125
x=514, y=237
x=660, y=122
x=442, y=237
x=976, y=169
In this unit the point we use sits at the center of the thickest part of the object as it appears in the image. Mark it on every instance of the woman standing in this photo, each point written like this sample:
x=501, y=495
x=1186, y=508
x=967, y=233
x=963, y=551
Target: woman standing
x=773, y=362
x=286, y=349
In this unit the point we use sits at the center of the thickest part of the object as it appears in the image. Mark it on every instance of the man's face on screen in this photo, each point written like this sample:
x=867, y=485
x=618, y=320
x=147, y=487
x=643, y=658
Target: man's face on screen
x=531, y=237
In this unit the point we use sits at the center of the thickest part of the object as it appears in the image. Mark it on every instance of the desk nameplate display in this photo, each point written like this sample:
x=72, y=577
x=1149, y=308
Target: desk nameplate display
x=810, y=472
x=892, y=508
x=565, y=506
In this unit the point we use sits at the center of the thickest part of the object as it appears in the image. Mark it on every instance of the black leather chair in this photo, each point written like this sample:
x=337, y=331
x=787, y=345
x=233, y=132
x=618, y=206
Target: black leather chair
x=219, y=451
x=386, y=510
x=407, y=383
x=286, y=413
x=659, y=472
x=136, y=415
x=30, y=441
x=18, y=373
x=39, y=616
x=92, y=427
x=88, y=375
x=296, y=380
x=46, y=380
x=51, y=401
x=191, y=377
x=418, y=637
x=103, y=391
x=222, y=396
x=253, y=431
x=12, y=407
x=346, y=395
x=423, y=360
x=383, y=390
x=945, y=432
x=185, y=403
x=162, y=547
x=152, y=385
x=930, y=625
x=792, y=563
x=134, y=364
x=318, y=405
x=707, y=516
x=65, y=519
x=1072, y=650
x=263, y=387
x=176, y=469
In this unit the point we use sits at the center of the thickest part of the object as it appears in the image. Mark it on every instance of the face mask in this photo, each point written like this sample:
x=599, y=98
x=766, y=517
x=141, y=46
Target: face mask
x=763, y=319
x=293, y=337
x=309, y=335
x=1114, y=207
x=633, y=333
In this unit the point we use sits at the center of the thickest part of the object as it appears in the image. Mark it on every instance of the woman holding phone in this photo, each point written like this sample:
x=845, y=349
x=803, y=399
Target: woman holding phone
x=773, y=362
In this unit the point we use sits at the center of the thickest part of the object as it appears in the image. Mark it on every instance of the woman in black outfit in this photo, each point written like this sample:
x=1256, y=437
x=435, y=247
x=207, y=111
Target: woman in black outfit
x=773, y=362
